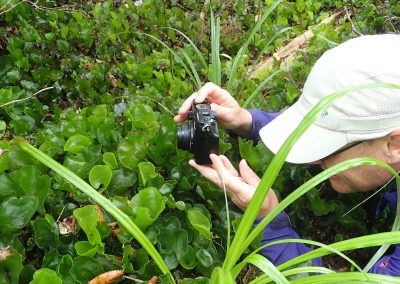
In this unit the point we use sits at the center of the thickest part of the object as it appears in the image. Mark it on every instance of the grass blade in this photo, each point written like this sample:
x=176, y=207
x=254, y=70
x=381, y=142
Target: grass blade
x=196, y=49
x=355, y=243
x=267, y=267
x=346, y=277
x=295, y=271
x=106, y=204
x=235, y=66
x=246, y=45
x=238, y=247
x=269, y=43
x=178, y=58
x=260, y=87
x=191, y=65
x=191, y=75
x=314, y=181
x=395, y=227
x=215, y=59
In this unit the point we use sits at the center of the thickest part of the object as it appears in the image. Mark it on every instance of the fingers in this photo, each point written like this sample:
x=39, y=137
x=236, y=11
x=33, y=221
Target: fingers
x=248, y=175
x=207, y=171
x=228, y=165
x=207, y=90
x=184, y=109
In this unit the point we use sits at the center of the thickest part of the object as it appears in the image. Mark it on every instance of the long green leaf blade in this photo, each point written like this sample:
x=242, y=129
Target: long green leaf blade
x=215, y=56
x=267, y=267
x=106, y=204
x=395, y=227
x=294, y=271
x=196, y=49
x=235, y=66
x=260, y=87
x=237, y=247
x=247, y=43
x=307, y=186
x=346, y=277
x=191, y=64
x=355, y=243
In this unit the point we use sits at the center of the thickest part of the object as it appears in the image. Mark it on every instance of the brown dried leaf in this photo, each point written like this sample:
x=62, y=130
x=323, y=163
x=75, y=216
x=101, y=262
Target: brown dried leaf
x=153, y=280
x=5, y=252
x=107, y=277
x=101, y=214
x=67, y=226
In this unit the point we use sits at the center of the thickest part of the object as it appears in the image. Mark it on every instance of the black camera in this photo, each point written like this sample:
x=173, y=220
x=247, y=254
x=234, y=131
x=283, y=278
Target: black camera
x=200, y=135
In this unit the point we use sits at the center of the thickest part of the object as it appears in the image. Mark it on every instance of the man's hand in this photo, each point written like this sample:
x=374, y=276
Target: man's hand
x=229, y=113
x=241, y=187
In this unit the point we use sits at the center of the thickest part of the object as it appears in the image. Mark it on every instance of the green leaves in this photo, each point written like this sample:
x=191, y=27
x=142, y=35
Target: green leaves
x=10, y=265
x=172, y=239
x=76, y=143
x=46, y=232
x=109, y=120
x=147, y=206
x=100, y=175
x=132, y=150
x=87, y=218
x=200, y=223
x=142, y=117
x=45, y=275
x=17, y=211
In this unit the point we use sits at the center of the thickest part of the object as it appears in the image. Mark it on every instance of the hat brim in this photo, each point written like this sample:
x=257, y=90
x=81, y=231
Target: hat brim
x=315, y=143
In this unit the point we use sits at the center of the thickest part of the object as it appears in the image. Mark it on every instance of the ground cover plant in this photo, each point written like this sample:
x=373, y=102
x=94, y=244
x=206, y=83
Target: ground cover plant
x=94, y=85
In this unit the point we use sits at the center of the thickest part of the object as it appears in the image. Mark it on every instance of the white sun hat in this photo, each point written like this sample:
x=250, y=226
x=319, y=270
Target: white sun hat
x=359, y=115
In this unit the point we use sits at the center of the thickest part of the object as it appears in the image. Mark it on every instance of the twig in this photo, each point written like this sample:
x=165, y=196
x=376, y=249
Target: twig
x=12, y=7
x=27, y=98
x=36, y=6
x=353, y=26
x=67, y=10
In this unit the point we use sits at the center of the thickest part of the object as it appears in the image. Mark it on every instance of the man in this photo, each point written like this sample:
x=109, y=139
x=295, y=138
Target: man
x=363, y=123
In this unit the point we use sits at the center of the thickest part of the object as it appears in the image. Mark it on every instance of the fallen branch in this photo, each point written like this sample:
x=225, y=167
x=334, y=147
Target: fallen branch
x=289, y=50
x=27, y=98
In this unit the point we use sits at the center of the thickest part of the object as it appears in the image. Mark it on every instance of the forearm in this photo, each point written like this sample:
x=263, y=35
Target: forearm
x=245, y=123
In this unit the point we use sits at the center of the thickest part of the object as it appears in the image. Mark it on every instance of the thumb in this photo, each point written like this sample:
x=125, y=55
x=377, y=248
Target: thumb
x=247, y=174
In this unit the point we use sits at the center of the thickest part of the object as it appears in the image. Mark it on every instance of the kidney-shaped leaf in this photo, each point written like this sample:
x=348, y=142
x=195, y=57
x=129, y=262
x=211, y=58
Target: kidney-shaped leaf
x=147, y=171
x=172, y=239
x=147, y=206
x=15, y=212
x=132, y=150
x=77, y=143
x=85, y=248
x=141, y=116
x=110, y=160
x=100, y=175
x=188, y=261
x=45, y=275
x=87, y=218
x=200, y=223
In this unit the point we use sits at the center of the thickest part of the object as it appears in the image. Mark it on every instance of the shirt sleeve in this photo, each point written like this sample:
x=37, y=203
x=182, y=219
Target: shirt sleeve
x=389, y=264
x=260, y=119
x=281, y=229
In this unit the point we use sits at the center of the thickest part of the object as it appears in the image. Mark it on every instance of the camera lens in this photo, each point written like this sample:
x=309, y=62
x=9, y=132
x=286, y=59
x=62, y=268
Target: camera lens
x=185, y=134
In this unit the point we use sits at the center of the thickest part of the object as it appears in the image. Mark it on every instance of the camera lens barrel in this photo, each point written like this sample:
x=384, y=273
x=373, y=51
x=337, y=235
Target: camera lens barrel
x=185, y=136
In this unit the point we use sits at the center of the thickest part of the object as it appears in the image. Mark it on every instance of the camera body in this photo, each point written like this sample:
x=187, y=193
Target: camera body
x=200, y=135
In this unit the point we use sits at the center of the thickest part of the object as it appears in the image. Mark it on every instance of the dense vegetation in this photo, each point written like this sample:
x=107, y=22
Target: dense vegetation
x=95, y=84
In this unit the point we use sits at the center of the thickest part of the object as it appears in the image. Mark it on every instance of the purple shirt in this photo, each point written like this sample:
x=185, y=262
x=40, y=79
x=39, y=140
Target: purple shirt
x=280, y=228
